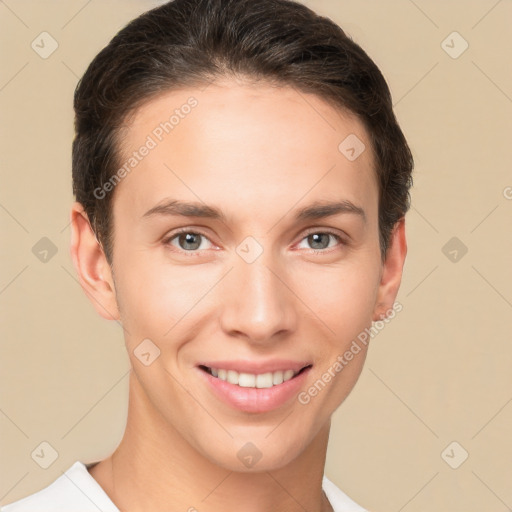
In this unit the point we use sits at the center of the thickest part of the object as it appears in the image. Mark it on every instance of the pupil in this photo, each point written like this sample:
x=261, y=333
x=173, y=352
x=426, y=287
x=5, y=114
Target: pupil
x=314, y=240
x=189, y=240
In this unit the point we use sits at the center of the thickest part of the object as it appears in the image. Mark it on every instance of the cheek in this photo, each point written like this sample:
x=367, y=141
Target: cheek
x=153, y=296
x=162, y=299
x=343, y=300
x=342, y=295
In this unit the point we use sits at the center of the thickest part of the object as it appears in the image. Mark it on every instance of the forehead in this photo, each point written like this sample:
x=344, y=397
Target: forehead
x=251, y=145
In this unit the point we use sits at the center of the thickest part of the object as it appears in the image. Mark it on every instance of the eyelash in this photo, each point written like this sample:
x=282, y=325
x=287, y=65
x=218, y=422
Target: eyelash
x=339, y=238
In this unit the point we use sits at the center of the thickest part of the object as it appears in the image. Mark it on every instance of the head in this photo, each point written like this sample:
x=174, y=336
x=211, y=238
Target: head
x=259, y=113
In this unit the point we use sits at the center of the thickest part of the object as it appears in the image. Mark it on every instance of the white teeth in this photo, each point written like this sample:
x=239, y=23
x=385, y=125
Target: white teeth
x=277, y=377
x=244, y=380
x=288, y=374
x=251, y=380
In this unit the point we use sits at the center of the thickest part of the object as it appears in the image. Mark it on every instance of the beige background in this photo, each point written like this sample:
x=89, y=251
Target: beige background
x=438, y=373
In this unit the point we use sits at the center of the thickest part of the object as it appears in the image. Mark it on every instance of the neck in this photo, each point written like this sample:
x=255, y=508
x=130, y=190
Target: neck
x=155, y=468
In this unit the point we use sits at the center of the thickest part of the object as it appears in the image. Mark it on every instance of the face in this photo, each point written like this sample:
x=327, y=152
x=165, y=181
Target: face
x=275, y=266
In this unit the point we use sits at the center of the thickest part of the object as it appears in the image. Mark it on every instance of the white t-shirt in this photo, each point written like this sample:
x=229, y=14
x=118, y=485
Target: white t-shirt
x=77, y=491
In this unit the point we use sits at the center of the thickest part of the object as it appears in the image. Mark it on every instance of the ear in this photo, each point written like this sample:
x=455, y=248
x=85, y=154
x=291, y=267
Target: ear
x=93, y=270
x=391, y=271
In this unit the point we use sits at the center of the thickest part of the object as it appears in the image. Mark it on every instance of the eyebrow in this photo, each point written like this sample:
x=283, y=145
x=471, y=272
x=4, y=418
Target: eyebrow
x=315, y=211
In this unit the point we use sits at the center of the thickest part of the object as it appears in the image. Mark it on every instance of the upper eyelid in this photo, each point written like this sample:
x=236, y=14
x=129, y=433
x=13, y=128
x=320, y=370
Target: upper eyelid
x=331, y=231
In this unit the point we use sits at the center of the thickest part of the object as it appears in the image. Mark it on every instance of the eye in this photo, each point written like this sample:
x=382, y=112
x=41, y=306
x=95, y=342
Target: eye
x=187, y=240
x=319, y=240
x=191, y=241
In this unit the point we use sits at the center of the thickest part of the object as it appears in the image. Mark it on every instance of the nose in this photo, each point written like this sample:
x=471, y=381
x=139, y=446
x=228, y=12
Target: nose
x=258, y=304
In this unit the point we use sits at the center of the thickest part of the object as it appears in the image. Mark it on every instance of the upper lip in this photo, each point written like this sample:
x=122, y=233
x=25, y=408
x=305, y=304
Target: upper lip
x=257, y=367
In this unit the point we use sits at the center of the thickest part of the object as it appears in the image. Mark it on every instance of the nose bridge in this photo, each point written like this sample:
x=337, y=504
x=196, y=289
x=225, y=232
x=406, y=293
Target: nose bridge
x=258, y=304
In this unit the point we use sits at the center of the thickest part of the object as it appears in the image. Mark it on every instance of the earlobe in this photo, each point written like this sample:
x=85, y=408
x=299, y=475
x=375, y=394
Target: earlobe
x=391, y=271
x=92, y=267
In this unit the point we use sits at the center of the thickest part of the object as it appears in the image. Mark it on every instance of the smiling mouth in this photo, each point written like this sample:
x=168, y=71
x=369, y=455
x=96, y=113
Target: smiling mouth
x=251, y=380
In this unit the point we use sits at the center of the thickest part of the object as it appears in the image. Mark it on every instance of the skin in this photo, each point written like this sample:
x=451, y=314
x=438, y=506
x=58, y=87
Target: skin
x=258, y=153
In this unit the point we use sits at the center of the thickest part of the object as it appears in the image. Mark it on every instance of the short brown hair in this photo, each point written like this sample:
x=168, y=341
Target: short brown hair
x=192, y=42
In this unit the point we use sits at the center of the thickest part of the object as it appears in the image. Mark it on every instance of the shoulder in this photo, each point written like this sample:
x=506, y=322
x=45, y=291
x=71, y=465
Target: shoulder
x=74, y=490
x=339, y=501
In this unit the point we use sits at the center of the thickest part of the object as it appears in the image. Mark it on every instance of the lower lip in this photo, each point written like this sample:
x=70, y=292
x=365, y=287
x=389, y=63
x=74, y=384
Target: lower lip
x=255, y=400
